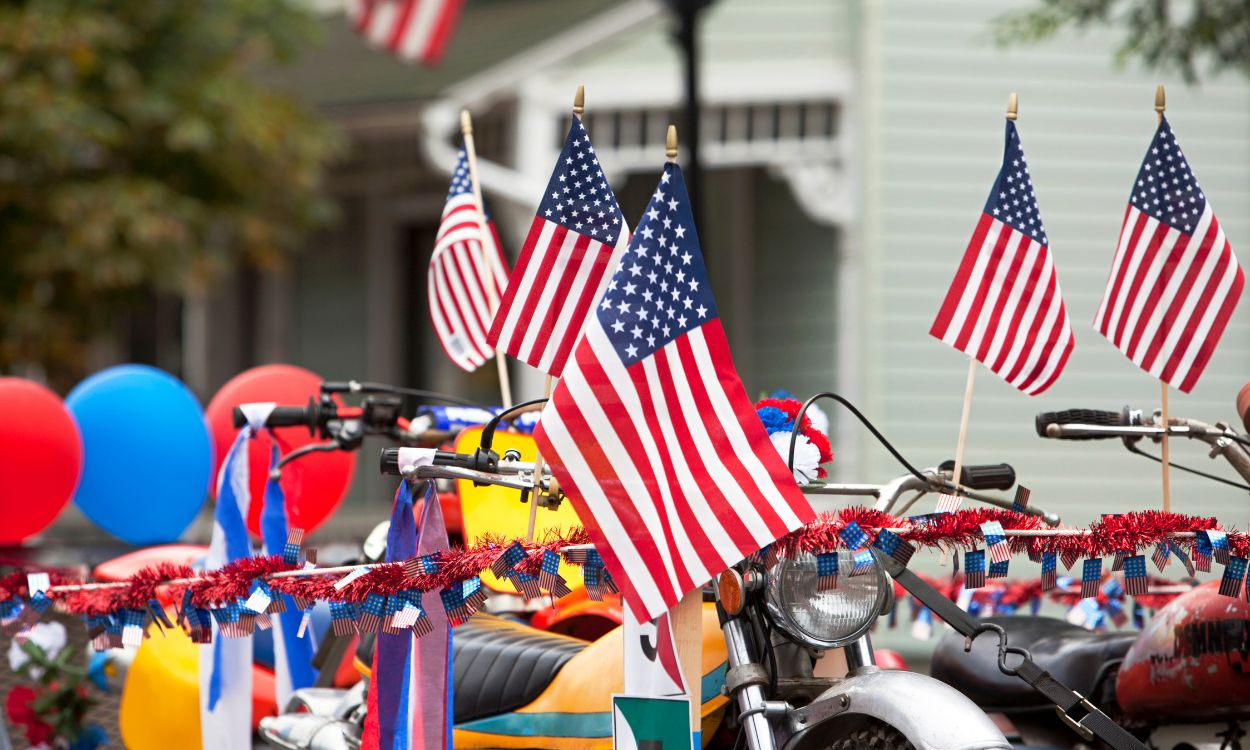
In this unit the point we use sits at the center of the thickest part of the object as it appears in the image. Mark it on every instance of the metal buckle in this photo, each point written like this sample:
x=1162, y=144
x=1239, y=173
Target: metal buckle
x=1086, y=733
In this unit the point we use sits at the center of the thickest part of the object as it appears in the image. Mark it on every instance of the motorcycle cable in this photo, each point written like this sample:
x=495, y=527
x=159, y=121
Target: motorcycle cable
x=1132, y=448
x=798, y=421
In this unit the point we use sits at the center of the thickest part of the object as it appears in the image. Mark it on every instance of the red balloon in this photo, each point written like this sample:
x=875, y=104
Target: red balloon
x=314, y=485
x=40, y=458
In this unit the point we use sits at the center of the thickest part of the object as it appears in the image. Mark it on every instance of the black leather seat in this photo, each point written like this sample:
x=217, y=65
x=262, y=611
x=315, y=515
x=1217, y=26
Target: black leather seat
x=1081, y=659
x=498, y=665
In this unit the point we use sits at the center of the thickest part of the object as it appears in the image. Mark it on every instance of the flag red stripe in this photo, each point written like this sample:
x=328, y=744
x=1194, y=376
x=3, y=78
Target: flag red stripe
x=538, y=292
x=600, y=268
x=564, y=282
x=1188, y=338
x=1015, y=263
x=402, y=21
x=1172, y=313
x=987, y=279
x=950, y=304
x=1217, y=328
x=1147, y=252
x=1032, y=283
x=1150, y=302
x=441, y=34
x=1115, y=304
x=526, y=257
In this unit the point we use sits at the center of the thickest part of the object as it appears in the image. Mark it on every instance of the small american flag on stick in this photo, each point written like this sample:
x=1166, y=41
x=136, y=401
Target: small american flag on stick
x=1004, y=308
x=1174, y=281
x=463, y=293
x=650, y=421
x=573, y=245
x=413, y=30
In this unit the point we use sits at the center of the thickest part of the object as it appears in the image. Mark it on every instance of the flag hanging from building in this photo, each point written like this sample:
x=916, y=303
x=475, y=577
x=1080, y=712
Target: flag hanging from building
x=570, y=251
x=1174, y=281
x=1004, y=307
x=650, y=431
x=462, y=294
x=414, y=30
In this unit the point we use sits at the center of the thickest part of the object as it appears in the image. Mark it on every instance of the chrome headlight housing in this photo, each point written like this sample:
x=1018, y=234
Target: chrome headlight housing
x=824, y=619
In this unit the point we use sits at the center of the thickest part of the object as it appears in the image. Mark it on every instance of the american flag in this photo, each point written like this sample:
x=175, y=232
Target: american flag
x=414, y=30
x=1004, y=307
x=1174, y=281
x=650, y=431
x=1135, y=581
x=462, y=296
x=573, y=244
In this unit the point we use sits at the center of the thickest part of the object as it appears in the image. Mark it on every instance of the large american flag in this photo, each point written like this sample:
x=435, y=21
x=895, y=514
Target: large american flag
x=461, y=296
x=1004, y=307
x=1174, y=281
x=650, y=431
x=568, y=255
x=414, y=30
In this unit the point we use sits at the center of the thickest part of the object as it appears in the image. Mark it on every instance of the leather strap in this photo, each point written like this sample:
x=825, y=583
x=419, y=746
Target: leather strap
x=1077, y=712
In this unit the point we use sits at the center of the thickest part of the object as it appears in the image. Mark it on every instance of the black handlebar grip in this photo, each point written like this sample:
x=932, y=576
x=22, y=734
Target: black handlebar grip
x=389, y=463
x=984, y=476
x=281, y=416
x=1081, y=416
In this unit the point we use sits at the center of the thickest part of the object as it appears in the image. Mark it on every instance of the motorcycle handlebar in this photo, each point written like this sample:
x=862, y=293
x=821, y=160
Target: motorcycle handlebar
x=1081, y=416
x=984, y=476
x=282, y=416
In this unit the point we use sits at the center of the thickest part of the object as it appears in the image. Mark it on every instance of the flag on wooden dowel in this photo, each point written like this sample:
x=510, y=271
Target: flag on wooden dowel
x=1004, y=307
x=462, y=297
x=573, y=244
x=1174, y=281
x=413, y=30
x=650, y=431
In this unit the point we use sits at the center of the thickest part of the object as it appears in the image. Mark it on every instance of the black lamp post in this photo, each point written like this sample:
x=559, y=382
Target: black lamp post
x=686, y=36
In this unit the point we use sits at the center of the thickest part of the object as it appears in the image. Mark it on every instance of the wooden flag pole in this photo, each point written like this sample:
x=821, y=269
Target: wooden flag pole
x=579, y=106
x=492, y=294
x=687, y=616
x=1160, y=105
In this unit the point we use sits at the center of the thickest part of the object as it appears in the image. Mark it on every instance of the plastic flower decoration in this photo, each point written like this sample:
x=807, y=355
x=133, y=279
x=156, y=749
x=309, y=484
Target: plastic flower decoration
x=49, y=636
x=811, y=449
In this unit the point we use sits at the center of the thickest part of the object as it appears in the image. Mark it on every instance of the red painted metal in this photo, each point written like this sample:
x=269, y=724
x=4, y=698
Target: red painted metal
x=1192, y=661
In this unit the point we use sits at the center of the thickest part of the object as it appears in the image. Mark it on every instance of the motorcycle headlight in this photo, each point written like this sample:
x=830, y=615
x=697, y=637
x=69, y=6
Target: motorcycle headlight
x=824, y=619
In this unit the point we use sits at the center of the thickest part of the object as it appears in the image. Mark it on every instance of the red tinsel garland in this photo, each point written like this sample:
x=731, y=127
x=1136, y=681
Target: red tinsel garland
x=1129, y=531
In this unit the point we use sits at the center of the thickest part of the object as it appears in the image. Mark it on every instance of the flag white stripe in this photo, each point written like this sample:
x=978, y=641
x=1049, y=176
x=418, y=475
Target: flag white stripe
x=725, y=416
x=1028, y=322
x=1121, y=251
x=630, y=476
x=623, y=385
x=528, y=280
x=986, y=312
x=962, y=313
x=420, y=33
x=694, y=424
x=609, y=523
x=568, y=305
x=1015, y=293
x=1214, y=303
x=1176, y=276
x=546, y=298
x=1135, y=305
x=1122, y=300
x=385, y=15
x=469, y=299
x=1036, y=351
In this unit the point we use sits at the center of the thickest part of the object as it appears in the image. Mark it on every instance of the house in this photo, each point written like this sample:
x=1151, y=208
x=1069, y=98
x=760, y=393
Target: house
x=848, y=148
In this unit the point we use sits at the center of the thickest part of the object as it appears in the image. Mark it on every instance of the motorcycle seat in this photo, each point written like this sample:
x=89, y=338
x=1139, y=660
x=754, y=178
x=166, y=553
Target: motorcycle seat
x=1078, y=658
x=498, y=665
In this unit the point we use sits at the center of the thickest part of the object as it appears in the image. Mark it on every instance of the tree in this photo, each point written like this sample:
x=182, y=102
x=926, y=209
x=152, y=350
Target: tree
x=141, y=150
x=1192, y=38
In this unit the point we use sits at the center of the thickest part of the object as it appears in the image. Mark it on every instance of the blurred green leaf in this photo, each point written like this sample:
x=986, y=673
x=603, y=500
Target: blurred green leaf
x=140, y=152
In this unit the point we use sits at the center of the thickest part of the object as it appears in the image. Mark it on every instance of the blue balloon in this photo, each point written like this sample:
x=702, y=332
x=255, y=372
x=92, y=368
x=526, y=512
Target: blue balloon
x=147, y=456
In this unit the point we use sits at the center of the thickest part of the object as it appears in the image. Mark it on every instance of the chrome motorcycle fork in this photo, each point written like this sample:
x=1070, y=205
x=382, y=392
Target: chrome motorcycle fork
x=745, y=671
x=859, y=654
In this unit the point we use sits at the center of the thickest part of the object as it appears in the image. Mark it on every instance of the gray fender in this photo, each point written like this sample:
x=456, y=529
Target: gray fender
x=931, y=714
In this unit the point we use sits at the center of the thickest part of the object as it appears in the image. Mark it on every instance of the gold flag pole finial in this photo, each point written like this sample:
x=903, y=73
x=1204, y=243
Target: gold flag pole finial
x=1160, y=101
x=1013, y=106
x=670, y=143
x=466, y=123
x=579, y=101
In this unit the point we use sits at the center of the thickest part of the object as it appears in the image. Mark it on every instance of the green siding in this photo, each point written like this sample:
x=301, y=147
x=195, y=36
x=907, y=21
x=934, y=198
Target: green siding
x=935, y=91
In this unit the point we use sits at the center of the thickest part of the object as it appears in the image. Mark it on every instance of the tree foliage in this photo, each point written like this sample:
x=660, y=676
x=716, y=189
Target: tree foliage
x=140, y=151
x=1193, y=38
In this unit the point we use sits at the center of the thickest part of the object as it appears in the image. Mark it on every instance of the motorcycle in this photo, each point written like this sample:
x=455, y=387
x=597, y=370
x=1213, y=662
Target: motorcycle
x=791, y=667
x=1183, y=682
